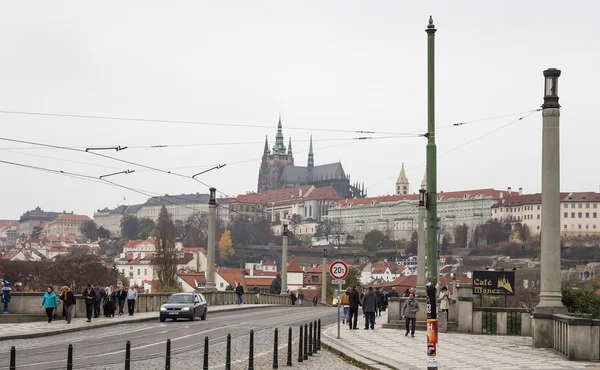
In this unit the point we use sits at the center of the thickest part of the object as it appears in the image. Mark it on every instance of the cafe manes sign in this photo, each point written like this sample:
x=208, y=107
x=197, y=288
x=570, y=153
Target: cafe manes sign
x=494, y=282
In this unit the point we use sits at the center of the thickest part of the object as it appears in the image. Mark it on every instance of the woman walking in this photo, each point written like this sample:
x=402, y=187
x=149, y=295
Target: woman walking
x=68, y=298
x=49, y=302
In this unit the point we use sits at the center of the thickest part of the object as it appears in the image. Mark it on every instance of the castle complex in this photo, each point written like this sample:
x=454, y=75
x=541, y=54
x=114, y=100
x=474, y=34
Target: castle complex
x=277, y=171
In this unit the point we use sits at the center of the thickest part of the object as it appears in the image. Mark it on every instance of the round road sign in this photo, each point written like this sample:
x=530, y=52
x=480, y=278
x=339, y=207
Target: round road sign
x=338, y=270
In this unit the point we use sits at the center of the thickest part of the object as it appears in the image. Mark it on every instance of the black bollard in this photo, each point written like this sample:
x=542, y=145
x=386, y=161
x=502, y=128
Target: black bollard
x=168, y=356
x=315, y=338
x=13, y=358
x=305, y=353
x=128, y=355
x=289, y=354
x=70, y=357
x=276, y=350
x=300, y=358
x=227, y=354
x=205, y=364
x=310, y=339
x=319, y=337
x=251, y=352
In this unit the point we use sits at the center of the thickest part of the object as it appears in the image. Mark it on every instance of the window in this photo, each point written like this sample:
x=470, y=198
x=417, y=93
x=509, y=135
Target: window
x=595, y=215
x=572, y=214
x=538, y=217
x=587, y=215
x=579, y=215
x=566, y=215
x=572, y=205
x=138, y=272
x=566, y=206
x=538, y=207
x=565, y=227
x=587, y=205
x=315, y=278
x=594, y=226
x=221, y=285
x=538, y=227
x=145, y=271
x=595, y=205
x=579, y=205
x=579, y=226
x=131, y=267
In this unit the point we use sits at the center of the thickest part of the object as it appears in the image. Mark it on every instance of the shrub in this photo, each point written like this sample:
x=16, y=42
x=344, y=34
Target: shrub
x=582, y=302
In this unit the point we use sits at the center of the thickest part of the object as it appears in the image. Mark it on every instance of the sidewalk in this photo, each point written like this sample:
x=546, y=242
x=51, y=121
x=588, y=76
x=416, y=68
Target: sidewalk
x=43, y=329
x=390, y=349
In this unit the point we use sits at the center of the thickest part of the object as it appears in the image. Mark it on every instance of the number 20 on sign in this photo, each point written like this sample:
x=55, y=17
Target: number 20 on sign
x=338, y=270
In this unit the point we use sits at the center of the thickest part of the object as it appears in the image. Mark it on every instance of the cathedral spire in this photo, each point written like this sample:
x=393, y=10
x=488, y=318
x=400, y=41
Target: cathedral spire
x=279, y=147
x=290, y=147
x=402, y=185
x=311, y=159
x=267, y=151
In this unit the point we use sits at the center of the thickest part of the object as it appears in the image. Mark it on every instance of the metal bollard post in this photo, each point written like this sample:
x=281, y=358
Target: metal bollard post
x=319, y=337
x=305, y=354
x=205, y=364
x=128, y=355
x=70, y=357
x=251, y=352
x=227, y=354
x=168, y=356
x=315, y=348
x=300, y=357
x=275, y=350
x=289, y=354
x=310, y=339
x=13, y=358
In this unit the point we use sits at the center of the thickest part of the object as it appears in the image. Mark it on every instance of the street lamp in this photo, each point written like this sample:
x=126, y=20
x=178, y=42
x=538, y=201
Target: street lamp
x=324, y=279
x=284, y=260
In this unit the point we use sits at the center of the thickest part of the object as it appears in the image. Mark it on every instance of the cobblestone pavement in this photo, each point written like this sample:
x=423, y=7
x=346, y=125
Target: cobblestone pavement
x=33, y=329
x=455, y=351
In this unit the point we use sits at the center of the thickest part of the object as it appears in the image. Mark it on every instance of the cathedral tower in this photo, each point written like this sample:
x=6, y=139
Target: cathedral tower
x=402, y=185
x=273, y=162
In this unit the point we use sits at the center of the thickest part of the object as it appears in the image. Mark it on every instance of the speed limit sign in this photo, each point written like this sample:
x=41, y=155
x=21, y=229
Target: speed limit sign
x=338, y=270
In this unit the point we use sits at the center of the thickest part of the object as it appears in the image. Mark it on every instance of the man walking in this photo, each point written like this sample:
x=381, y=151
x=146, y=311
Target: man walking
x=239, y=290
x=121, y=297
x=409, y=312
x=354, y=302
x=131, y=297
x=89, y=297
x=369, y=308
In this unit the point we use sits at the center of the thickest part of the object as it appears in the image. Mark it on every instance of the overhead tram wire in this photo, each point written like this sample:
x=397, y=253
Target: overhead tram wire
x=465, y=143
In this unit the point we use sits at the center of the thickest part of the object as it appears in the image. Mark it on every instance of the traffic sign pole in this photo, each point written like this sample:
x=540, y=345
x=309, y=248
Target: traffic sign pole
x=339, y=304
x=338, y=271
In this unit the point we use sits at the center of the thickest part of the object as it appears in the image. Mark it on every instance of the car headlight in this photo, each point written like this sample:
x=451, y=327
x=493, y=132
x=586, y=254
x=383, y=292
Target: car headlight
x=185, y=309
x=163, y=308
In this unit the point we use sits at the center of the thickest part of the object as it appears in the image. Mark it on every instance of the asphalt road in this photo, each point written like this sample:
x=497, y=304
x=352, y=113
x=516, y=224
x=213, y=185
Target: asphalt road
x=104, y=348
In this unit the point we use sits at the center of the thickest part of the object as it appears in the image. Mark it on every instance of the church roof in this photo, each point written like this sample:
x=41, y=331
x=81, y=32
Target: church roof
x=297, y=174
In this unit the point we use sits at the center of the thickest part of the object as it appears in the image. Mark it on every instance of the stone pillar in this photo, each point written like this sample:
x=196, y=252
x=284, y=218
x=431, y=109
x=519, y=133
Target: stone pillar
x=284, y=260
x=421, y=246
x=550, y=294
x=210, y=248
x=464, y=306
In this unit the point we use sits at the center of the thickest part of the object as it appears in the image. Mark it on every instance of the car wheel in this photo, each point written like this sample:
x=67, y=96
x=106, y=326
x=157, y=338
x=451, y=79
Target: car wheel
x=203, y=317
x=163, y=319
x=193, y=317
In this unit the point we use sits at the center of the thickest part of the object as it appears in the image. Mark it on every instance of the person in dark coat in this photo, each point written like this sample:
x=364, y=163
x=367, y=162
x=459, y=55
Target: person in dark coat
x=98, y=301
x=121, y=298
x=369, y=308
x=239, y=290
x=409, y=312
x=111, y=304
x=293, y=298
x=89, y=296
x=385, y=297
x=354, y=298
x=406, y=293
x=394, y=293
x=380, y=303
x=68, y=298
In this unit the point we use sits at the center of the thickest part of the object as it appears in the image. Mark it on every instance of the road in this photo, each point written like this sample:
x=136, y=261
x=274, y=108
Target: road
x=105, y=348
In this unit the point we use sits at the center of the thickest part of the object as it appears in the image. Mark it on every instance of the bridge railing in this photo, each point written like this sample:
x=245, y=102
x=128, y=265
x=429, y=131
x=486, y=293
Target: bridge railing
x=502, y=321
x=577, y=338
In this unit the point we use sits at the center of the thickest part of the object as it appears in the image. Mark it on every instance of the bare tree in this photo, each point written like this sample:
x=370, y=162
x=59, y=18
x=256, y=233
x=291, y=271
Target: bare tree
x=166, y=254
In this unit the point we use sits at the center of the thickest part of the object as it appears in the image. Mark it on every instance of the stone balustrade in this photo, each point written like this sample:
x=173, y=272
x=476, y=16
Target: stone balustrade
x=502, y=321
x=577, y=338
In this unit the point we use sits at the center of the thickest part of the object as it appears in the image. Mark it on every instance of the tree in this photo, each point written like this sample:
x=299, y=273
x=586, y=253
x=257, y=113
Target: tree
x=275, y=287
x=103, y=233
x=524, y=233
x=373, y=240
x=240, y=232
x=476, y=236
x=225, y=246
x=130, y=227
x=166, y=254
x=80, y=270
x=460, y=235
x=195, y=239
x=493, y=231
x=261, y=233
x=90, y=230
x=25, y=275
x=352, y=279
x=147, y=227
x=181, y=231
x=413, y=247
x=36, y=232
x=445, y=241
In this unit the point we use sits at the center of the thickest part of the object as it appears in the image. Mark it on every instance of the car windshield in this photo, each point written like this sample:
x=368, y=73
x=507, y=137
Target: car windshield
x=180, y=299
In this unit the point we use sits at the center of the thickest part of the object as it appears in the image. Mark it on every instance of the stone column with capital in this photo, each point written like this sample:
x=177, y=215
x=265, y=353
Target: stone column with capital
x=210, y=248
x=550, y=294
x=284, y=260
x=421, y=245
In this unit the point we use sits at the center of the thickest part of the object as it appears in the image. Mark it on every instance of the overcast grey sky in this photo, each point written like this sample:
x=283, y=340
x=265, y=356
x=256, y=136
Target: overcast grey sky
x=320, y=64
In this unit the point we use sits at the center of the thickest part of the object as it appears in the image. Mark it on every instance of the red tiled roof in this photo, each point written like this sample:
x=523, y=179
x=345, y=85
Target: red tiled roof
x=442, y=195
x=192, y=278
x=286, y=194
x=526, y=199
x=265, y=273
x=269, y=262
x=232, y=276
x=252, y=198
x=294, y=267
x=379, y=269
x=74, y=218
x=193, y=250
x=133, y=243
x=327, y=192
x=9, y=223
x=258, y=282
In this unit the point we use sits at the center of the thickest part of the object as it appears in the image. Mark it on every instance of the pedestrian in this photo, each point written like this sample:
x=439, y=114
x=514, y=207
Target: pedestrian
x=256, y=295
x=121, y=297
x=444, y=299
x=409, y=312
x=300, y=298
x=315, y=301
x=385, y=297
x=353, y=302
x=239, y=290
x=69, y=302
x=370, y=308
x=90, y=302
x=98, y=301
x=345, y=301
x=112, y=303
x=293, y=298
x=379, y=296
x=393, y=293
x=131, y=297
x=406, y=293
x=49, y=302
